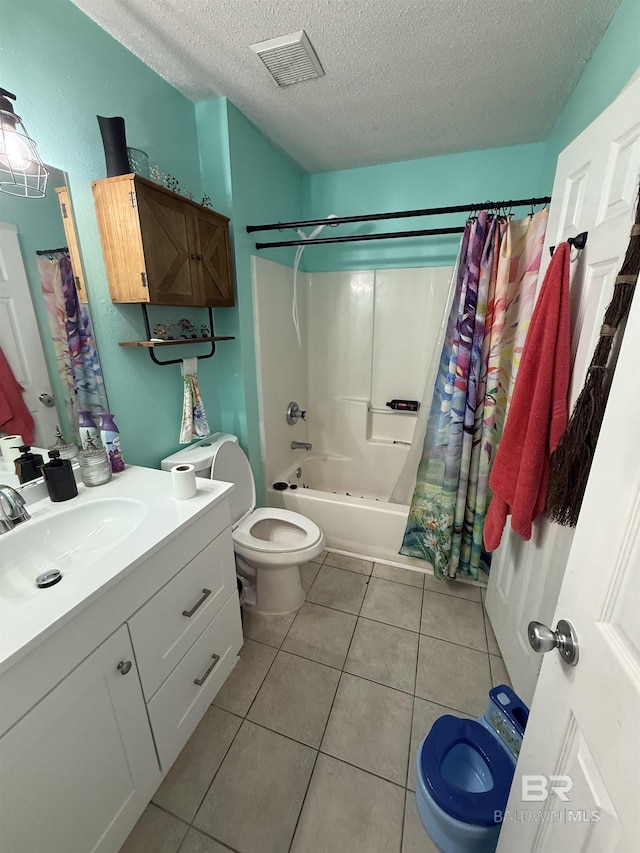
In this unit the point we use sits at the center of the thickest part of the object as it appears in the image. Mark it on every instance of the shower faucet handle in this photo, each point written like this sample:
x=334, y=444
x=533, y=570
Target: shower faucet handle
x=295, y=413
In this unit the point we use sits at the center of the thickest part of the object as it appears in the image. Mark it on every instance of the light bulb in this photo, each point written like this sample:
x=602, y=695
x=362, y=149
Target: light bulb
x=15, y=152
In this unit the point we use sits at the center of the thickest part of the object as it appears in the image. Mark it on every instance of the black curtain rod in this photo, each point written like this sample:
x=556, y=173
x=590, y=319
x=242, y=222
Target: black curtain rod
x=401, y=214
x=52, y=251
x=354, y=238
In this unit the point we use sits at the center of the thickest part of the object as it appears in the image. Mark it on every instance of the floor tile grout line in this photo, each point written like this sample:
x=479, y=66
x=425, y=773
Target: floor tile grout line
x=453, y=643
x=324, y=731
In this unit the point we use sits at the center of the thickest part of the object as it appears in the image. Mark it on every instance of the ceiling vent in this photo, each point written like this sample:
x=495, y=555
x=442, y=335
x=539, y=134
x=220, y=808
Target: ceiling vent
x=289, y=59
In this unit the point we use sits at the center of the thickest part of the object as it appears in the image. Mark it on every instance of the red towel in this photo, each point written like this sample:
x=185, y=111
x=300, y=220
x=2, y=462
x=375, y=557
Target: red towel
x=538, y=413
x=14, y=415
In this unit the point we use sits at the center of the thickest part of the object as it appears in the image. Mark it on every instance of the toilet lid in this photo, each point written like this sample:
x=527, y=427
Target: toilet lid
x=465, y=806
x=232, y=466
x=310, y=532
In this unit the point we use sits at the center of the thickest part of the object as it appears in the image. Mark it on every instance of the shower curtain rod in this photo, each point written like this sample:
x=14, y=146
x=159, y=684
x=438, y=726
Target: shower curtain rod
x=52, y=251
x=401, y=214
x=353, y=238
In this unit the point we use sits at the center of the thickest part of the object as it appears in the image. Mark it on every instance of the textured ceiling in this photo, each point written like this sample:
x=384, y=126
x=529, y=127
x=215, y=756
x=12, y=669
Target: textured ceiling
x=404, y=78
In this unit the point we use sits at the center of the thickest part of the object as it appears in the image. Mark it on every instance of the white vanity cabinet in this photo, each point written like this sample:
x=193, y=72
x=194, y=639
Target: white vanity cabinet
x=94, y=714
x=78, y=769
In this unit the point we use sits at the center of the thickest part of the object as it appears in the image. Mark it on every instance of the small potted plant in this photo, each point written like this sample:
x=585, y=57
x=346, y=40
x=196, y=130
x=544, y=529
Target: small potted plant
x=187, y=329
x=163, y=331
x=204, y=330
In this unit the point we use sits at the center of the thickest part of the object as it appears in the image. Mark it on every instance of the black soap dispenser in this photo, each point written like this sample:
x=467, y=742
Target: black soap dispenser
x=28, y=465
x=58, y=475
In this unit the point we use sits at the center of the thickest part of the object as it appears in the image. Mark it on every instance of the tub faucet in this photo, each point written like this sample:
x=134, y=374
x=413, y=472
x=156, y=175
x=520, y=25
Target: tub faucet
x=301, y=445
x=12, y=509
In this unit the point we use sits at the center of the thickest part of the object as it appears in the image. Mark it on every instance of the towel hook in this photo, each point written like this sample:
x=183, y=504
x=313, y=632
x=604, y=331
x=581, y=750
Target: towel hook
x=578, y=242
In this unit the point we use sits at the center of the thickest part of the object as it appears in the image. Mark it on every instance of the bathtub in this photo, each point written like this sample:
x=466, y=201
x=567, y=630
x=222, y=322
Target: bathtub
x=360, y=525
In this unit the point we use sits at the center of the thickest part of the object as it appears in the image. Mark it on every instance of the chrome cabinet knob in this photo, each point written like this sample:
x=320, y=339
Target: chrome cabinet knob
x=542, y=639
x=124, y=666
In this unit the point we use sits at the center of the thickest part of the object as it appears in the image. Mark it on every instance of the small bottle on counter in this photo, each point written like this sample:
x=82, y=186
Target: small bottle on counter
x=28, y=465
x=94, y=464
x=110, y=438
x=59, y=478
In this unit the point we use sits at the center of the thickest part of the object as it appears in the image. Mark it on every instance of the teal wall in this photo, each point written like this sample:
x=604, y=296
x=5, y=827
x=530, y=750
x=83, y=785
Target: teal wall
x=496, y=174
x=259, y=183
x=65, y=70
x=613, y=63
x=40, y=227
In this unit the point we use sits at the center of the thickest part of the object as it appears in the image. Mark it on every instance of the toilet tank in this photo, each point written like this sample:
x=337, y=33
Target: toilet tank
x=200, y=455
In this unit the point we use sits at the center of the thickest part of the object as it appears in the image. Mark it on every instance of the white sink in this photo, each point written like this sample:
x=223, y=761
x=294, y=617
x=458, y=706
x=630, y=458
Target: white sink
x=69, y=540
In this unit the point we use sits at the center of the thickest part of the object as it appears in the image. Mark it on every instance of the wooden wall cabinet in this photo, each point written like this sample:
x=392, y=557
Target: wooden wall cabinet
x=161, y=248
x=68, y=223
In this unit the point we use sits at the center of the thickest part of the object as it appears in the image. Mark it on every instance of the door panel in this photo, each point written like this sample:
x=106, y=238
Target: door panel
x=19, y=336
x=214, y=267
x=169, y=244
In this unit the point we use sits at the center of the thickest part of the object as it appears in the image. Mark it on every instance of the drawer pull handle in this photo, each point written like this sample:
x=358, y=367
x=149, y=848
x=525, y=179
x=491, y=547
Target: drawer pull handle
x=200, y=681
x=205, y=594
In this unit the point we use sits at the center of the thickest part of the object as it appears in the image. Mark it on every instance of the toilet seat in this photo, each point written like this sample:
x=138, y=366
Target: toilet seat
x=310, y=533
x=466, y=806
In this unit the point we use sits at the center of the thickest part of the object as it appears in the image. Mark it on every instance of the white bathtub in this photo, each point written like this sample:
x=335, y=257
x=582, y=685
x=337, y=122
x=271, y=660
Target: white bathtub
x=353, y=524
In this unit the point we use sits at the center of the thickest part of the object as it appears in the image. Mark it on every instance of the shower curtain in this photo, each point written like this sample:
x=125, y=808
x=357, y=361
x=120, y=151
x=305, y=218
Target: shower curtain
x=73, y=339
x=495, y=288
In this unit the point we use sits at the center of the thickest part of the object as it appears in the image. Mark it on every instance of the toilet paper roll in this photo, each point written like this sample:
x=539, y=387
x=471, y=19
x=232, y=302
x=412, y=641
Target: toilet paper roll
x=183, y=479
x=9, y=445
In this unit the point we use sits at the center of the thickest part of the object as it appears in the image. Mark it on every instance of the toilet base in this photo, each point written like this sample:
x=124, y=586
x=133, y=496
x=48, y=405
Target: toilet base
x=451, y=835
x=278, y=589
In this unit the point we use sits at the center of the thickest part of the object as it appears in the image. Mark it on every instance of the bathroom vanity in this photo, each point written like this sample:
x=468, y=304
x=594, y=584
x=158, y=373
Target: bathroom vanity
x=105, y=674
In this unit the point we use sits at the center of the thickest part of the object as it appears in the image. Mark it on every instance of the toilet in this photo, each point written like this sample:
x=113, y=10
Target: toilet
x=270, y=544
x=465, y=769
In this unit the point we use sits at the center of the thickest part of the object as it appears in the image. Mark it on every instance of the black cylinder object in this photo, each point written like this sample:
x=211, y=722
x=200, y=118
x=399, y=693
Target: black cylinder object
x=114, y=142
x=28, y=465
x=404, y=405
x=58, y=475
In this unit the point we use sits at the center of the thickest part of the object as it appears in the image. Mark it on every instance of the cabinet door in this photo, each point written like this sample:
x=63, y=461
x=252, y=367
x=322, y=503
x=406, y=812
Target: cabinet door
x=214, y=257
x=169, y=242
x=72, y=241
x=78, y=770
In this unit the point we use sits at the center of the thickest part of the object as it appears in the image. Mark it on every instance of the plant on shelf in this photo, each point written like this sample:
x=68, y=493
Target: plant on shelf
x=163, y=331
x=204, y=331
x=187, y=329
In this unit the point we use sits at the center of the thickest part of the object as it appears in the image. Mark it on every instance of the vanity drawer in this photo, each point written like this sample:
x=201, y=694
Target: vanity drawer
x=166, y=627
x=180, y=704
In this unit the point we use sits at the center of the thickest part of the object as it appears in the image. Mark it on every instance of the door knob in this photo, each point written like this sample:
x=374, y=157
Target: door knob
x=542, y=639
x=124, y=666
x=47, y=400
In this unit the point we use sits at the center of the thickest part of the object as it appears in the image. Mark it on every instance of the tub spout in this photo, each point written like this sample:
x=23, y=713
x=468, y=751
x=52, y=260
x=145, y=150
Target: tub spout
x=301, y=445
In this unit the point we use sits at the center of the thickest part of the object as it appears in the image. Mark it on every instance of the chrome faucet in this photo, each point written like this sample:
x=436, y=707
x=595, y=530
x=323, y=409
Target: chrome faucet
x=301, y=445
x=12, y=509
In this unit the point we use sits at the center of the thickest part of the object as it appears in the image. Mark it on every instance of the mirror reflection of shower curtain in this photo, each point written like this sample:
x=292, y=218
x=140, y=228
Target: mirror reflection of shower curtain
x=73, y=339
x=494, y=295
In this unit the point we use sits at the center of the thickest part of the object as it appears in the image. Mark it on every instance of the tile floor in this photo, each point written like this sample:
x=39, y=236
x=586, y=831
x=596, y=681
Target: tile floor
x=310, y=745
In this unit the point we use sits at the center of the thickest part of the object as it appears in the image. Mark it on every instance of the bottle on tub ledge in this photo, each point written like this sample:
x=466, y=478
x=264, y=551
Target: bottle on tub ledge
x=110, y=438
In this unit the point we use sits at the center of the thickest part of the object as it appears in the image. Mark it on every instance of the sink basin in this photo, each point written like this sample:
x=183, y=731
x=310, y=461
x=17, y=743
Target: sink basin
x=68, y=540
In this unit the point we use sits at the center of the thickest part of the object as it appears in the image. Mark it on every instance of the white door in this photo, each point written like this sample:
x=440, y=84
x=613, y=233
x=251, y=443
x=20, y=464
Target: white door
x=78, y=770
x=19, y=337
x=595, y=188
x=584, y=719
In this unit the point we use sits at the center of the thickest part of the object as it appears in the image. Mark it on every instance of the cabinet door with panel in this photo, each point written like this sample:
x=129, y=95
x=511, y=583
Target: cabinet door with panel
x=72, y=241
x=160, y=247
x=77, y=771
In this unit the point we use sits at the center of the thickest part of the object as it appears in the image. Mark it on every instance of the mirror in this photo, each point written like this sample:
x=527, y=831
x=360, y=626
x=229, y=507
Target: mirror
x=46, y=331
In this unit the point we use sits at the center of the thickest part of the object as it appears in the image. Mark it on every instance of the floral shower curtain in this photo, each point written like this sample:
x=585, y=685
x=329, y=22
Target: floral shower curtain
x=73, y=339
x=495, y=291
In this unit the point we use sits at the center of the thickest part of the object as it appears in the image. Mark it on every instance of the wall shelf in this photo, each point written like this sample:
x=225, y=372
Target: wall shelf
x=173, y=342
x=150, y=344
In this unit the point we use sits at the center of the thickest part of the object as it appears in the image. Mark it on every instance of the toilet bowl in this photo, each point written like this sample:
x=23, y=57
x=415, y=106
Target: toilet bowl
x=270, y=544
x=465, y=769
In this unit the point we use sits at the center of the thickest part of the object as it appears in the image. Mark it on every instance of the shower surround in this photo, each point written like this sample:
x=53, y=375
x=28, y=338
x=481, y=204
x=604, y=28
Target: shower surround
x=367, y=338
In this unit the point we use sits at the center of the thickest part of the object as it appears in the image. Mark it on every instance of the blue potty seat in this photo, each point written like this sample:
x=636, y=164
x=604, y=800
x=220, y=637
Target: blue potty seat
x=466, y=771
